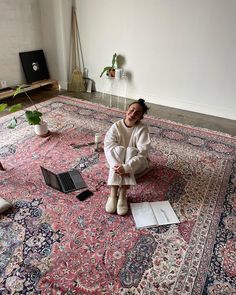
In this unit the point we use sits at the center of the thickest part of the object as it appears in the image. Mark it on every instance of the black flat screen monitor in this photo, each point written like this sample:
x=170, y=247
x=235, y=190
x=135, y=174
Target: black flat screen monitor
x=34, y=65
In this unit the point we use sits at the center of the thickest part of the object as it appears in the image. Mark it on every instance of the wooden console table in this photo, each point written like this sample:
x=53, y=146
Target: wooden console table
x=43, y=83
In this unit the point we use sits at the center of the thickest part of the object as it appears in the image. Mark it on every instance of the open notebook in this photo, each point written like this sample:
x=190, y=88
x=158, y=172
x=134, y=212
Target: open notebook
x=149, y=214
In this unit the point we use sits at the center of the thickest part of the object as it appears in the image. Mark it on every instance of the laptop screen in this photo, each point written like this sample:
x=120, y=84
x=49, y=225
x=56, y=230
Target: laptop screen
x=51, y=179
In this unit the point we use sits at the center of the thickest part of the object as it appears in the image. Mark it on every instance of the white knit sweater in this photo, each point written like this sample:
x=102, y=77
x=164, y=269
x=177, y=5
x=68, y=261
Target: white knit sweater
x=138, y=138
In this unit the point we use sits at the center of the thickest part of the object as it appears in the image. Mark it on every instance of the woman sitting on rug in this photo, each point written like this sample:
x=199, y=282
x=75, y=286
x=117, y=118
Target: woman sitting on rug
x=126, y=146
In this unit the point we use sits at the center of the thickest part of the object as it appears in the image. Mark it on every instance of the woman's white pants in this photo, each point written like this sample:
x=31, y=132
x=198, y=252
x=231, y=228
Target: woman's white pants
x=121, y=155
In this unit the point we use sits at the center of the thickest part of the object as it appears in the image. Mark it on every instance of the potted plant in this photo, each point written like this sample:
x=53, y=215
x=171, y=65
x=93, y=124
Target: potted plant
x=33, y=117
x=110, y=70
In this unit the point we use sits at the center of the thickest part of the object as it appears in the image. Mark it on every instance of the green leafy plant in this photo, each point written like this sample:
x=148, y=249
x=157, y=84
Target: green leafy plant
x=112, y=67
x=32, y=117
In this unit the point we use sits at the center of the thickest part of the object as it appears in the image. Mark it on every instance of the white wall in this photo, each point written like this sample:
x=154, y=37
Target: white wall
x=20, y=30
x=56, y=24
x=30, y=25
x=180, y=53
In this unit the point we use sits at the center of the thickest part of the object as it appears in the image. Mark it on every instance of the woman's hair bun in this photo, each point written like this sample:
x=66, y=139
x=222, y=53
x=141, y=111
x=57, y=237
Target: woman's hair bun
x=141, y=100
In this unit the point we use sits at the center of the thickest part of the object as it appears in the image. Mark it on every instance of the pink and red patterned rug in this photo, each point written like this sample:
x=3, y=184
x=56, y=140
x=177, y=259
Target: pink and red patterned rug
x=51, y=243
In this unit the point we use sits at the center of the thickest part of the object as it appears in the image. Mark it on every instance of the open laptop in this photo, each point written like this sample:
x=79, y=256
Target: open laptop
x=65, y=182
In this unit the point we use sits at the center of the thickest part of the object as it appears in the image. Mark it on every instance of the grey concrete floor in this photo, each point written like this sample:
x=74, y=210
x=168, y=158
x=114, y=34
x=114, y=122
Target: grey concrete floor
x=158, y=111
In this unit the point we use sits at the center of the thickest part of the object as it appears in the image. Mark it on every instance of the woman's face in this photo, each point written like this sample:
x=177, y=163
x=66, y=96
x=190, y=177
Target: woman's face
x=133, y=114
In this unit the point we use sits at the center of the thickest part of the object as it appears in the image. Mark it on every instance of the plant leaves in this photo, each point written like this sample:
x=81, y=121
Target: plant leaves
x=105, y=70
x=12, y=124
x=15, y=107
x=114, y=57
x=33, y=117
x=114, y=60
x=3, y=106
x=17, y=91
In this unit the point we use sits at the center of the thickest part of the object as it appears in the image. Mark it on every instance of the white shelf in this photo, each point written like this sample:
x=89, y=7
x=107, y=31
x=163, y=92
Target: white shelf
x=115, y=87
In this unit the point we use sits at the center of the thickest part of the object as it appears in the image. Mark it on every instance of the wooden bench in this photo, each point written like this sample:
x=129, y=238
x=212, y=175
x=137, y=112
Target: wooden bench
x=28, y=87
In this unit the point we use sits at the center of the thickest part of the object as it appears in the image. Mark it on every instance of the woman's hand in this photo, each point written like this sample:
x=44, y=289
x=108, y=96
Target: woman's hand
x=119, y=169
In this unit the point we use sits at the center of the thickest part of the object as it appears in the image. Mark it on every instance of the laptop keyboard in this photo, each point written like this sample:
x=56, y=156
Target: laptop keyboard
x=67, y=181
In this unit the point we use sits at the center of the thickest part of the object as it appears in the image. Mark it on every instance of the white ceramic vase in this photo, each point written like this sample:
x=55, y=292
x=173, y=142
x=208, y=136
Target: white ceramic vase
x=41, y=129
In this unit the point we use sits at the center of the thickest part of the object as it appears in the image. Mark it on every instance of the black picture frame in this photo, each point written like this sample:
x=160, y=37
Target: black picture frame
x=34, y=66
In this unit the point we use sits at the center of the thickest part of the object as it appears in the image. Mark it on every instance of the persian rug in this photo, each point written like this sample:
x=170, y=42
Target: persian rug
x=52, y=243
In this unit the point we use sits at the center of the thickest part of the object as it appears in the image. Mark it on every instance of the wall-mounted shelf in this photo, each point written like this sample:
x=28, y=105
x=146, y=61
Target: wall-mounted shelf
x=28, y=87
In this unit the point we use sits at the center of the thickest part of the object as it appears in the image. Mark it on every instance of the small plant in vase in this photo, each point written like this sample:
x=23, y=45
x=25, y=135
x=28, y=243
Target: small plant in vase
x=110, y=70
x=33, y=117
